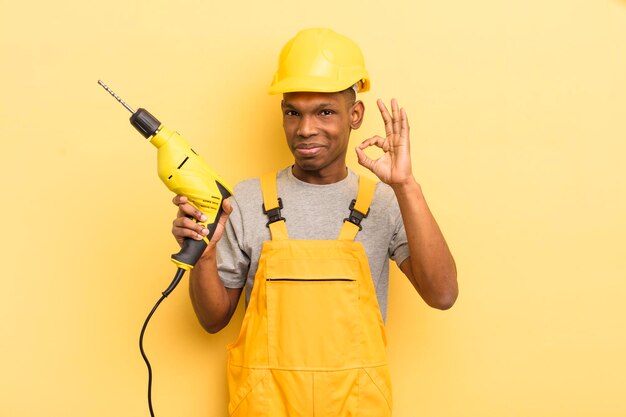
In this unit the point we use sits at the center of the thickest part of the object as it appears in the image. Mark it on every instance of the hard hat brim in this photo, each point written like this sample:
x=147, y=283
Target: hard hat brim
x=314, y=85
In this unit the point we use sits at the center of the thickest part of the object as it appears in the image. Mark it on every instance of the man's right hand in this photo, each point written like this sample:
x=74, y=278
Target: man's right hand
x=213, y=303
x=185, y=227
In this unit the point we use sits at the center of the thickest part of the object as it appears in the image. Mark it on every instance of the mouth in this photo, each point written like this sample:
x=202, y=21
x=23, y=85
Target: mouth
x=308, y=149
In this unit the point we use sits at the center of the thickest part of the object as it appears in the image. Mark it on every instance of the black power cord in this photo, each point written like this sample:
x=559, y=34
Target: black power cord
x=179, y=275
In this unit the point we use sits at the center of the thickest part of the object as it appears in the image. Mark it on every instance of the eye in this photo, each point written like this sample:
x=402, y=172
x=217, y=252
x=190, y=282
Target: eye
x=292, y=113
x=326, y=112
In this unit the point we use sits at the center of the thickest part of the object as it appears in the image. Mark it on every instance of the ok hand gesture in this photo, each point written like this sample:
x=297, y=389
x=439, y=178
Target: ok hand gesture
x=394, y=166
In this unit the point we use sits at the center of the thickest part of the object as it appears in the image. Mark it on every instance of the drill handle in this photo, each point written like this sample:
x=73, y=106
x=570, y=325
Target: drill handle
x=193, y=249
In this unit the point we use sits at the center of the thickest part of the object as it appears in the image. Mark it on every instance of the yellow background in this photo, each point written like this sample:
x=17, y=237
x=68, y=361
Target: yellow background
x=518, y=112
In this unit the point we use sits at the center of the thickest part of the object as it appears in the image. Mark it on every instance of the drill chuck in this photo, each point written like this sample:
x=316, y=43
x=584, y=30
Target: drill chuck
x=145, y=123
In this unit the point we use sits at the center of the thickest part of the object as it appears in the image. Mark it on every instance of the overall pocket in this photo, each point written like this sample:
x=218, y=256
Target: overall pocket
x=313, y=322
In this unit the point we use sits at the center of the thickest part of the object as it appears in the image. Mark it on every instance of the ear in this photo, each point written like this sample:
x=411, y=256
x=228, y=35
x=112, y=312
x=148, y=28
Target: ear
x=356, y=114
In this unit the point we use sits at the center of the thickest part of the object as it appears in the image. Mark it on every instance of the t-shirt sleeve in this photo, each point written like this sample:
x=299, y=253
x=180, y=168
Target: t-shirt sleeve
x=398, y=246
x=232, y=262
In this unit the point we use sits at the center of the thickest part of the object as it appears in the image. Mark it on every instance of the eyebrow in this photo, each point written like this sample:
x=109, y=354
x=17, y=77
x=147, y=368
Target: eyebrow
x=318, y=107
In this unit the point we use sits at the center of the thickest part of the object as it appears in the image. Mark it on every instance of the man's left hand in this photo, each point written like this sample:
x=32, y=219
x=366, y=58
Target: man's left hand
x=394, y=166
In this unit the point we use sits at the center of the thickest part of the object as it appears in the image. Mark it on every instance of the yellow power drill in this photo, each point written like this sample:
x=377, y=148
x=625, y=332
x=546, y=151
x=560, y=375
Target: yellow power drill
x=184, y=172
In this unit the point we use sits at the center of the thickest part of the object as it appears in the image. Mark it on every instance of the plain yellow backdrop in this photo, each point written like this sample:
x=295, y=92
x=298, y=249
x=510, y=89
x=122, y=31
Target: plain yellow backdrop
x=518, y=114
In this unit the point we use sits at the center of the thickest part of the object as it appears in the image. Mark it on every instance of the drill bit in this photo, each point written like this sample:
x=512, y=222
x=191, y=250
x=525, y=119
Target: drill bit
x=130, y=109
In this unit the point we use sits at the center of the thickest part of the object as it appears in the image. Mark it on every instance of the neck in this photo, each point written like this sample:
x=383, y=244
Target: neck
x=320, y=177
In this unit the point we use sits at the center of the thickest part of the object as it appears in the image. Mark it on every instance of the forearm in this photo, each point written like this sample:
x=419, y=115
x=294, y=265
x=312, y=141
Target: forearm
x=430, y=267
x=213, y=303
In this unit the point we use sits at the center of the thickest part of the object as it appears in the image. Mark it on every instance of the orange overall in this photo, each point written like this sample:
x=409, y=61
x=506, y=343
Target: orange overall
x=312, y=342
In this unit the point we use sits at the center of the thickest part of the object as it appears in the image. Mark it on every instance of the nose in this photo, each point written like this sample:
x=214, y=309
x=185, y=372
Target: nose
x=306, y=127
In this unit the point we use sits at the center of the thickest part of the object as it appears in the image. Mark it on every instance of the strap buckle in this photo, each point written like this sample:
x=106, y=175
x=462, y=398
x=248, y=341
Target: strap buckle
x=356, y=216
x=274, y=214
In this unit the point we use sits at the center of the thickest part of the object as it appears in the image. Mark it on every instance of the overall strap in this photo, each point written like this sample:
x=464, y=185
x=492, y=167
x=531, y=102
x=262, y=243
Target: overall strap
x=359, y=209
x=271, y=207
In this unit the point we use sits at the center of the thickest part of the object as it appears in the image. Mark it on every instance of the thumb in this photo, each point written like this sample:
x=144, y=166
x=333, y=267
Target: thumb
x=363, y=159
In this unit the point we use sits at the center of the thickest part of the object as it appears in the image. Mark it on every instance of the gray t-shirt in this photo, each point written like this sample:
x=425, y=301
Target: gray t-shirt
x=312, y=212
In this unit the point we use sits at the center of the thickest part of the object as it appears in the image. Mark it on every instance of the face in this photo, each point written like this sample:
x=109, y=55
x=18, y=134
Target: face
x=317, y=127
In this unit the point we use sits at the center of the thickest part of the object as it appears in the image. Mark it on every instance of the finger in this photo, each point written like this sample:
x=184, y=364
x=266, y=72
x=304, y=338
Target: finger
x=373, y=141
x=179, y=199
x=395, y=113
x=221, y=222
x=183, y=227
x=226, y=206
x=187, y=223
x=181, y=233
x=405, y=123
x=386, y=117
x=226, y=210
x=188, y=210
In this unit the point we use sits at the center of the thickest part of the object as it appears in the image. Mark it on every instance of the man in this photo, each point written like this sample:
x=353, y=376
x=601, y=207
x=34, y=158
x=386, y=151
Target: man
x=300, y=349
